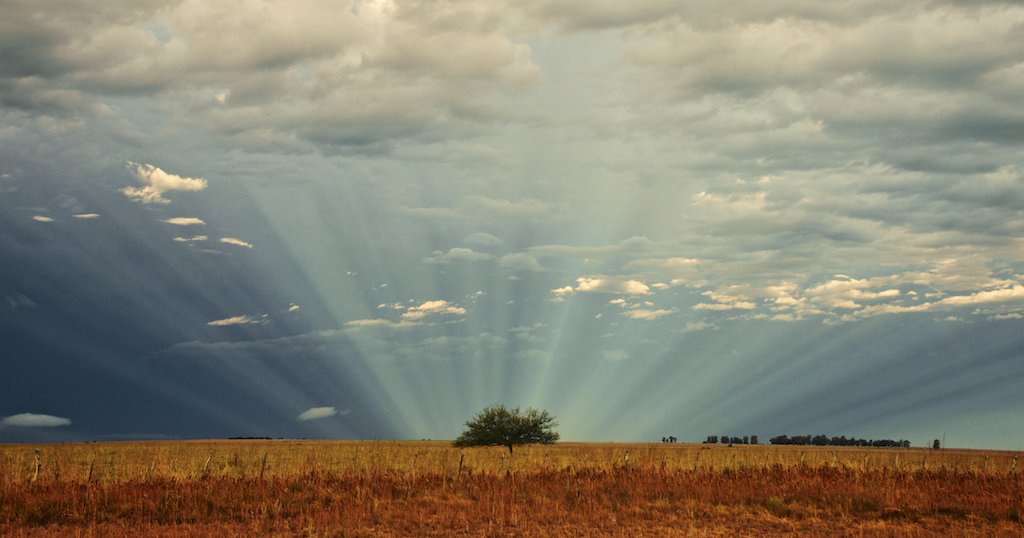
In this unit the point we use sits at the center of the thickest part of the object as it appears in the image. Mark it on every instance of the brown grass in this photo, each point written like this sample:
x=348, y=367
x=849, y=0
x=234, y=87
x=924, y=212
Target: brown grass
x=332, y=489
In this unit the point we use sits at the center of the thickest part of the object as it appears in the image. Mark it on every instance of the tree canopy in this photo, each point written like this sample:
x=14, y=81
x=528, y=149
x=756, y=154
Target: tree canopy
x=497, y=426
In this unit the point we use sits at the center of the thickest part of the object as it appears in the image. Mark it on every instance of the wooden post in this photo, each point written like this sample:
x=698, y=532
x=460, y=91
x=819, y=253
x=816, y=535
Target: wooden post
x=263, y=466
x=88, y=477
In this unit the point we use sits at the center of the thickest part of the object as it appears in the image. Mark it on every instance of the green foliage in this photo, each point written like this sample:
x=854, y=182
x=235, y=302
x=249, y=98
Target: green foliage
x=497, y=426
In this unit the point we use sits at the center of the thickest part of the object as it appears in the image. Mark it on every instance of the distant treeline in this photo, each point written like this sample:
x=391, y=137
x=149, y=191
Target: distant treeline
x=821, y=440
x=818, y=440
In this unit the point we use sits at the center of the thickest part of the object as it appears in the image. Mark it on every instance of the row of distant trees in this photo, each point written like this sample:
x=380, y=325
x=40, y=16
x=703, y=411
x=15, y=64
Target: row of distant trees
x=817, y=440
x=725, y=439
x=821, y=440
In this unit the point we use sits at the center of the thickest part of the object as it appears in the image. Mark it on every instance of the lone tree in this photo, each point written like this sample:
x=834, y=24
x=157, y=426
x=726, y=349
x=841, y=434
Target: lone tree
x=497, y=426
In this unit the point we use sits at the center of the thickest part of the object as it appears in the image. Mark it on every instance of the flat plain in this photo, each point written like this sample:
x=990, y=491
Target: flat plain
x=429, y=488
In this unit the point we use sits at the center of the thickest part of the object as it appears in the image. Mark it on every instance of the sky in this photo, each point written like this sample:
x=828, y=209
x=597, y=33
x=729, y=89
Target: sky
x=370, y=219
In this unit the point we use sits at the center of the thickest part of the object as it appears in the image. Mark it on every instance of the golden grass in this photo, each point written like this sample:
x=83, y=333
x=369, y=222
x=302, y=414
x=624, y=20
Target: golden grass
x=315, y=488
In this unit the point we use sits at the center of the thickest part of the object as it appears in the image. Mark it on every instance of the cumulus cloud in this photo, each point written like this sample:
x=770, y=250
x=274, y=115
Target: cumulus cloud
x=602, y=284
x=32, y=420
x=432, y=307
x=321, y=412
x=159, y=182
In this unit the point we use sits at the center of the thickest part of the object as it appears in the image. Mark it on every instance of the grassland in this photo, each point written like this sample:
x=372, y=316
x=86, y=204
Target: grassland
x=300, y=488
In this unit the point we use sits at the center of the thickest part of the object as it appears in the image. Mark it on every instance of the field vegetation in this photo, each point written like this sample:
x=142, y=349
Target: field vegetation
x=336, y=489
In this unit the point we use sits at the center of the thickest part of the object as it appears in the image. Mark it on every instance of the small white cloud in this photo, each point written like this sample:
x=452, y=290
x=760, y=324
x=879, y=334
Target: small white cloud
x=158, y=182
x=42, y=219
x=561, y=292
x=32, y=420
x=321, y=412
x=237, y=320
x=87, y=216
x=432, y=307
x=293, y=307
x=189, y=239
x=233, y=241
x=184, y=221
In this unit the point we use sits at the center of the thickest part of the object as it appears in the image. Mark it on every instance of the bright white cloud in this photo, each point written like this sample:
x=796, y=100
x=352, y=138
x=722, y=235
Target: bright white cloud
x=86, y=216
x=233, y=241
x=185, y=221
x=159, y=182
x=42, y=219
x=432, y=307
x=612, y=285
x=32, y=420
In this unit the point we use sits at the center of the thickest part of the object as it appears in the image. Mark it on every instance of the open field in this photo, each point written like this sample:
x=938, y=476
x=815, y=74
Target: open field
x=315, y=488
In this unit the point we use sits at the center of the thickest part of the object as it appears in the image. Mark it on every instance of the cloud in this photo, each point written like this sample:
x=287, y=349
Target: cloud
x=86, y=216
x=321, y=412
x=603, y=284
x=159, y=182
x=697, y=326
x=615, y=354
x=237, y=320
x=42, y=219
x=189, y=239
x=520, y=261
x=432, y=307
x=233, y=241
x=483, y=239
x=184, y=221
x=32, y=420
x=18, y=300
x=381, y=323
x=647, y=314
x=456, y=254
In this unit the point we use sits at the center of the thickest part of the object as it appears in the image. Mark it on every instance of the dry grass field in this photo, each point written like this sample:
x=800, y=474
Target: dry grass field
x=382, y=488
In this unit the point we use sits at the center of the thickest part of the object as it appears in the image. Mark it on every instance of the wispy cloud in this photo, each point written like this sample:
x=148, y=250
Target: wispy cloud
x=32, y=420
x=233, y=241
x=321, y=412
x=237, y=320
